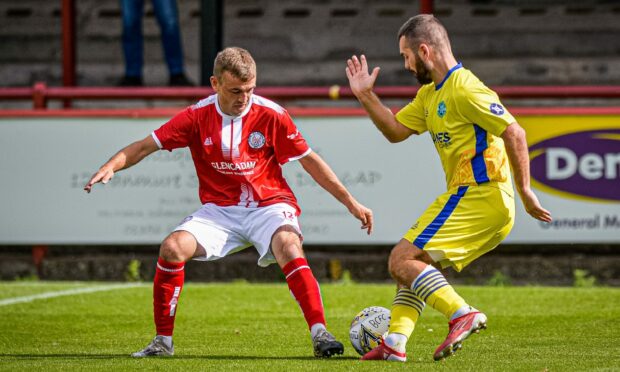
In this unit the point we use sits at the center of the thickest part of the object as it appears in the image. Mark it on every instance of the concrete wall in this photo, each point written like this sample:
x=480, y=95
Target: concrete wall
x=508, y=264
x=298, y=42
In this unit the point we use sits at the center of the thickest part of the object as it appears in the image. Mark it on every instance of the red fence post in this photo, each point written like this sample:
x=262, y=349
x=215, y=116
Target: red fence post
x=68, y=46
x=426, y=6
x=38, y=254
x=39, y=101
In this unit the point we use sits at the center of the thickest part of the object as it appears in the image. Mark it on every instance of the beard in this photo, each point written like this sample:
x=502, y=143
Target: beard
x=422, y=73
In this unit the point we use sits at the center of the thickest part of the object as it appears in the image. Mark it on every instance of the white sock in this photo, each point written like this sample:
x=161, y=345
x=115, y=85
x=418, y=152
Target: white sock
x=314, y=330
x=167, y=340
x=462, y=311
x=396, y=341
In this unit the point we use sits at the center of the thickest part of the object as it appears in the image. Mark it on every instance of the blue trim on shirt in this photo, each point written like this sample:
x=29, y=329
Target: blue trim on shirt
x=441, y=218
x=478, y=165
x=459, y=65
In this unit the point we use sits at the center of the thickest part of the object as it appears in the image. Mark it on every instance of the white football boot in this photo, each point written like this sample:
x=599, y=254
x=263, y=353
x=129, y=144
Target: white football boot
x=157, y=347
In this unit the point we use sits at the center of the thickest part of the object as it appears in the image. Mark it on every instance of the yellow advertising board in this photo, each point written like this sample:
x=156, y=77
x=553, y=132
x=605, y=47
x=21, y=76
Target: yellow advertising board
x=575, y=156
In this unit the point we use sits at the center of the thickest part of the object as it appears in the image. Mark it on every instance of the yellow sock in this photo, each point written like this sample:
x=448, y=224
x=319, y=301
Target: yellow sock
x=406, y=310
x=432, y=287
x=446, y=301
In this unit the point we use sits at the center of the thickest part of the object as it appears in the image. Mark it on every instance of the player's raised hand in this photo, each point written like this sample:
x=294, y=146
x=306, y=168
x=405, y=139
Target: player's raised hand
x=533, y=207
x=364, y=215
x=360, y=80
x=103, y=175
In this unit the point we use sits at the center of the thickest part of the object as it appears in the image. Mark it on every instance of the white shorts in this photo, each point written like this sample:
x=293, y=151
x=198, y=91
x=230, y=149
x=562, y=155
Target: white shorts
x=222, y=231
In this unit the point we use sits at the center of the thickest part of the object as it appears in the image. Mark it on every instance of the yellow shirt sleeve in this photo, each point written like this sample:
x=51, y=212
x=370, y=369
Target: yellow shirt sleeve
x=482, y=106
x=412, y=116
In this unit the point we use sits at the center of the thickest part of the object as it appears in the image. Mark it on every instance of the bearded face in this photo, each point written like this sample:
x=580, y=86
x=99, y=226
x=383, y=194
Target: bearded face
x=413, y=61
x=421, y=71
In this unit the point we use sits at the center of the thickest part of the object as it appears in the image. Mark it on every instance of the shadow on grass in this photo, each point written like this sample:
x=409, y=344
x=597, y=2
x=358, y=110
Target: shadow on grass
x=179, y=357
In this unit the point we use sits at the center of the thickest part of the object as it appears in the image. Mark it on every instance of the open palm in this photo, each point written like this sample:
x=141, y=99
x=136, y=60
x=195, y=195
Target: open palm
x=360, y=80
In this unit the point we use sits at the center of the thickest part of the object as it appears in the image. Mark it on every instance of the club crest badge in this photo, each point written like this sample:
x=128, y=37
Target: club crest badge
x=441, y=109
x=256, y=140
x=497, y=109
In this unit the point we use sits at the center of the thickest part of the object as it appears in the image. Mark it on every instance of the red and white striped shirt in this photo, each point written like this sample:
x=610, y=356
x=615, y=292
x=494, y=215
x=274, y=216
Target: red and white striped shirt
x=237, y=158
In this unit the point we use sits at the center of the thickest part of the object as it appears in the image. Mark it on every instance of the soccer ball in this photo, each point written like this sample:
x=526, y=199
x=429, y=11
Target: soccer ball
x=368, y=328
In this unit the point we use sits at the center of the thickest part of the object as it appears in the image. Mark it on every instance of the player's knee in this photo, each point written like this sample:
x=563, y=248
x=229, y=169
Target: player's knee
x=397, y=256
x=172, y=249
x=287, y=250
x=394, y=265
x=400, y=259
x=286, y=244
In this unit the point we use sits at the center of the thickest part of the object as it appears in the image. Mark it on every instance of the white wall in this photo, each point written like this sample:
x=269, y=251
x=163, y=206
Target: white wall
x=45, y=163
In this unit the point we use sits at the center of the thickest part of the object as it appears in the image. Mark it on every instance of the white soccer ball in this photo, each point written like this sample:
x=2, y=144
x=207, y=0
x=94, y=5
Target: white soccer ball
x=368, y=328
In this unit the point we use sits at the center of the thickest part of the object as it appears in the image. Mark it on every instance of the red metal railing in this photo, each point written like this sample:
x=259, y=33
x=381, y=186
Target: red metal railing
x=40, y=94
x=168, y=112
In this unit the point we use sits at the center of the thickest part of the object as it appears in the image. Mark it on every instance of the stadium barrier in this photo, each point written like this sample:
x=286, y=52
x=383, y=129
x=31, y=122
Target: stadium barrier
x=581, y=217
x=40, y=94
x=575, y=161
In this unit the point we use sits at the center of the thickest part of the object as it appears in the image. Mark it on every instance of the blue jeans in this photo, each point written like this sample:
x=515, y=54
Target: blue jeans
x=168, y=18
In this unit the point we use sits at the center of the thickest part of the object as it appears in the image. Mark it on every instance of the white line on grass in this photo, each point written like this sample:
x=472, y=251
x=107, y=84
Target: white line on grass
x=68, y=292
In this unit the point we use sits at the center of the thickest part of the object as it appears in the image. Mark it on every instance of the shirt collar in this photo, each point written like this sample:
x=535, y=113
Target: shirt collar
x=458, y=65
x=226, y=116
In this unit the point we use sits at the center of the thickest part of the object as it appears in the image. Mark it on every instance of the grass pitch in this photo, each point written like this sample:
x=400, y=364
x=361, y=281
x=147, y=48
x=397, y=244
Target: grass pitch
x=255, y=327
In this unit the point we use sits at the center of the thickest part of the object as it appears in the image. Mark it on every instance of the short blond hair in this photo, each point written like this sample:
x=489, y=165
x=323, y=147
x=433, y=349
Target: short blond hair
x=237, y=61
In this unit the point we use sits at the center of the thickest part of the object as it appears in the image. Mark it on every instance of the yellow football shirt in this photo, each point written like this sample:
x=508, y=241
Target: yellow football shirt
x=465, y=120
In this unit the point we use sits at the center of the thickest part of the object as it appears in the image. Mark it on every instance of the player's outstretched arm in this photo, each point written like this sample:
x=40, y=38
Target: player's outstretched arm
x=362, y=84
x=327, y=179
x=123, y=159
x=516, y=148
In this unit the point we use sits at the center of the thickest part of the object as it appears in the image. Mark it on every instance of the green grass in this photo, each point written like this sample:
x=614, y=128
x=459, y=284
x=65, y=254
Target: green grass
x=259, y=327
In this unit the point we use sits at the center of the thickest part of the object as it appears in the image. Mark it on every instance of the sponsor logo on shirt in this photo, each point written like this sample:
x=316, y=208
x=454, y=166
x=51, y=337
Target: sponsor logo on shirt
x=230, y=166
x=441, y=109
x=256, y=140
x=441, y=139
x=497, y=109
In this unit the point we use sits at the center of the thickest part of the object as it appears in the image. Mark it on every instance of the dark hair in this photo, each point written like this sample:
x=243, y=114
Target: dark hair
x=424, y=28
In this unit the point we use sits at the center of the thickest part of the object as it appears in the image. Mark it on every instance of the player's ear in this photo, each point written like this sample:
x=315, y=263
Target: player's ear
x=214, y=83
x=424, y=50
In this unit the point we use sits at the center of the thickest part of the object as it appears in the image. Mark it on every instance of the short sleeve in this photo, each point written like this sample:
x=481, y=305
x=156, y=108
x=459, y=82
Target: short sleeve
x=289, y=144
x=177, y=132
x=412, y=116
x=482, y=106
